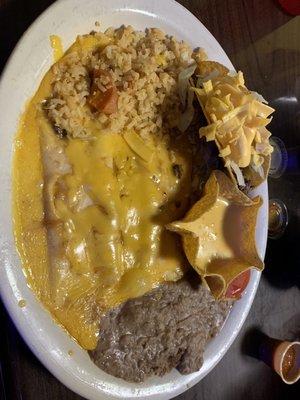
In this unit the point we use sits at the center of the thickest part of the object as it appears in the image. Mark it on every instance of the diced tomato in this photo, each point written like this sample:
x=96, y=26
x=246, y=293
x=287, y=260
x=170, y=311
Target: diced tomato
x=238, y=285
x=107, y=101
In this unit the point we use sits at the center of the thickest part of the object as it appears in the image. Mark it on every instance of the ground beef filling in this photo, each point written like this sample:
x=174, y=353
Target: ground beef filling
x=166, y=328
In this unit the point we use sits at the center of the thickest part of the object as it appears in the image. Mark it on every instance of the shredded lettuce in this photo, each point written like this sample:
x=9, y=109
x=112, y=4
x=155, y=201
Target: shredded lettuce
x=187, y=117
x=183, y=82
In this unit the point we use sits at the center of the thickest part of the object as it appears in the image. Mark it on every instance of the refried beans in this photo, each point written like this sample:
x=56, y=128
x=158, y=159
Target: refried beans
x=166, y=328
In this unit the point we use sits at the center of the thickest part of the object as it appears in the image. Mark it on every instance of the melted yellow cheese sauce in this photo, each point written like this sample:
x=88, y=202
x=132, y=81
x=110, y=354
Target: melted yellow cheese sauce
x=217, y=230
x=117, y=246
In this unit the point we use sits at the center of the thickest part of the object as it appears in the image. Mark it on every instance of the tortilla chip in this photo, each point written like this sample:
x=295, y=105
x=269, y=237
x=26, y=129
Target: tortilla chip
x=220, y=271
x=253, y=176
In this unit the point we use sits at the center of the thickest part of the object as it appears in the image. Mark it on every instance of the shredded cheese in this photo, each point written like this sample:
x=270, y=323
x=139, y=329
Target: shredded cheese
x=237, y=120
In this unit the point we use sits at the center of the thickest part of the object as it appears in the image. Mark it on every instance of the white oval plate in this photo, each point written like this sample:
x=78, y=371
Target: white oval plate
x=23, y=73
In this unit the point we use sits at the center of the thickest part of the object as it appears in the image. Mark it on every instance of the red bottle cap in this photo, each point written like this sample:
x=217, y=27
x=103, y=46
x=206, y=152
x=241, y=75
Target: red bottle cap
x=290, y=6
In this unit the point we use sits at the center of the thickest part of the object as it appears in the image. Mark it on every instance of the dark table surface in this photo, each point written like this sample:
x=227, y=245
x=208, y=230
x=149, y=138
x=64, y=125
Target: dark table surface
x=264, y=42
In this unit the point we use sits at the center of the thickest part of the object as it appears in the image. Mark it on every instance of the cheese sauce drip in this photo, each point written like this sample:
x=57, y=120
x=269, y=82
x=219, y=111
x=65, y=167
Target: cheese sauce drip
x=112, y=208
x=56, y=45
